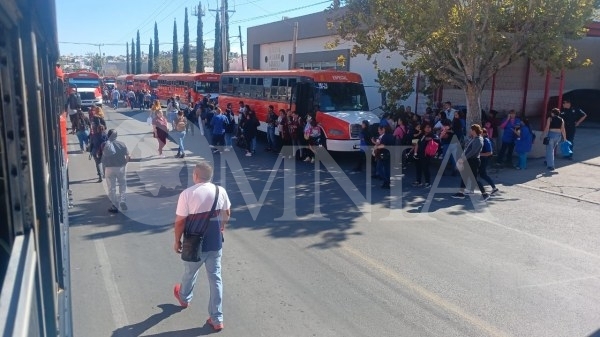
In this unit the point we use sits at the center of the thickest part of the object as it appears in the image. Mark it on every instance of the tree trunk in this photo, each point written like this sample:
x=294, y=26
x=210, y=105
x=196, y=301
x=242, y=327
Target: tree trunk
x=473, y=96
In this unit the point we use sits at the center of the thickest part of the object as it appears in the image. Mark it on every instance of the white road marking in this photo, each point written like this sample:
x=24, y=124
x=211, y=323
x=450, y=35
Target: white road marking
x=114, y=297
x=428, y=295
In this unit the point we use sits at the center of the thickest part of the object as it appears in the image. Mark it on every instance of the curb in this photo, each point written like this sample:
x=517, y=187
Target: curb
x=558, y=194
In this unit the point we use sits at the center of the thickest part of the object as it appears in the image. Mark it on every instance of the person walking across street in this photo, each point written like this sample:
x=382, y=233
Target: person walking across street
x=180, y=130
x=485, y=157
x=114, y=159
x=202, y=209
x=554, y=130
x=573, y=117
x=471, y=162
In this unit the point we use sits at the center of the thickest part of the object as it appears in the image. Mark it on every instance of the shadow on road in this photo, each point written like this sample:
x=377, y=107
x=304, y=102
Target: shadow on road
x=167, y=310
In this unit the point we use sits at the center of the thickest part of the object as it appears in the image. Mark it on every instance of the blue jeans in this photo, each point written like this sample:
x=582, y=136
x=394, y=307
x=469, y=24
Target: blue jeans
x=228, y=139
x=84, y=138
x=115, y=103
x=554, y=139
x=382, y=168
x=180, y=137
x=271, y=138
x=522, y=161
x=212, y=261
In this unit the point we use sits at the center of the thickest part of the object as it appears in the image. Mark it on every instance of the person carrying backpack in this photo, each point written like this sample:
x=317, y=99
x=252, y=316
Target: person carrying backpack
x=73, y=105
x=230, y=127
x=427, y=147
x=82, y=125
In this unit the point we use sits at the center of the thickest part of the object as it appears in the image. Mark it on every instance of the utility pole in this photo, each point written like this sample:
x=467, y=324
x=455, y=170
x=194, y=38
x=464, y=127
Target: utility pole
x=241, y=47
x=224, y=41
x=293, y=65
x=224, y=33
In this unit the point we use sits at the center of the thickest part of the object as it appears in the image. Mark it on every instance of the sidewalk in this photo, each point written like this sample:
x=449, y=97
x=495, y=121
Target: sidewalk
x=577, y=179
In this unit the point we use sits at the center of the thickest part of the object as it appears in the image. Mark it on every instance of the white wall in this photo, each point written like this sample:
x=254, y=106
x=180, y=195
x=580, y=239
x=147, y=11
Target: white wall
x=358, y=64
x=510, y=82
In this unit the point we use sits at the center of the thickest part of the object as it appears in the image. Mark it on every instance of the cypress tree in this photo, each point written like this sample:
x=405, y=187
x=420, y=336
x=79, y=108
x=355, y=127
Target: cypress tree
x=127, y=58
x=186, y=44
x=156, y=48
x=133, y=67
x=150, y=58
x=218, y=52
x=138, y=54
x=175, y=48
x=199, y=42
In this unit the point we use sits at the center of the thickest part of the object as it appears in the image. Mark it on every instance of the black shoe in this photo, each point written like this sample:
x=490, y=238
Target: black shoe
x=99, y=179
x=182, y=155
x=485, y=196
x=495, y=190
x=177, y=155
x=113, y=209
x=123, y=206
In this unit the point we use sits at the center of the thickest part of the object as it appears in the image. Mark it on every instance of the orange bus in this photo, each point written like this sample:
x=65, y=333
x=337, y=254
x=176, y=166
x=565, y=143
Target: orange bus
x=189, y=87
x=109, y=82
x=336, y=98
x=124, y=82
x=88, y=85
x=145, y=82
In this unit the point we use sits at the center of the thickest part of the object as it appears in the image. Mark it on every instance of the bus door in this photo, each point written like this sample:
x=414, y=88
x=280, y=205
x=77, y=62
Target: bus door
x=303, y=98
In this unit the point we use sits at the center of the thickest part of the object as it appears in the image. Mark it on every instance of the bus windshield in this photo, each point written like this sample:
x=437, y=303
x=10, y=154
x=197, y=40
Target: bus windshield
x=84, y=82
x=336, y=96
x=207, y=87
x=154, y=84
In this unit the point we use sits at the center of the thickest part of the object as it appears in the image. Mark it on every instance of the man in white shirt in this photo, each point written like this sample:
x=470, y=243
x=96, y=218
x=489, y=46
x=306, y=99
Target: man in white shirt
x=448, y=110
x=193, y=207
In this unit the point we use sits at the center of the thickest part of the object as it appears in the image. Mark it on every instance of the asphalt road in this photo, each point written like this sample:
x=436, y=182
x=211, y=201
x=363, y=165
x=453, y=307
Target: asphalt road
x=322, y=252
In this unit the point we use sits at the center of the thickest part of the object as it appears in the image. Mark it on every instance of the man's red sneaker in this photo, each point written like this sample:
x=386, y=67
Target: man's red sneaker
x=216, y=327
x=176, y=293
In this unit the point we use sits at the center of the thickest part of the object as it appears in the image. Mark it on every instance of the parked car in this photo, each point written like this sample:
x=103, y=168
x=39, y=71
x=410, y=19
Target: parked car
x=587, y=100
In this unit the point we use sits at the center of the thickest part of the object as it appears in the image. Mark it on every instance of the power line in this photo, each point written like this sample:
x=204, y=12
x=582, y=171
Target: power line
x=152, y=15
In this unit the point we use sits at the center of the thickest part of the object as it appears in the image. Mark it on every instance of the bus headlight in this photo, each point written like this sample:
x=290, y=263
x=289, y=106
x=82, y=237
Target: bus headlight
x=336, y=132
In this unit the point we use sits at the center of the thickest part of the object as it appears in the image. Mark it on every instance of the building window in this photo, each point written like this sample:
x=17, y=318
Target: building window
x=324, y=65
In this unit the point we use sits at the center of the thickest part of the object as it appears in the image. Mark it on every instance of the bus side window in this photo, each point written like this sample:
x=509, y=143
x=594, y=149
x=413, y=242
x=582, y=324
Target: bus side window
x=274, y=88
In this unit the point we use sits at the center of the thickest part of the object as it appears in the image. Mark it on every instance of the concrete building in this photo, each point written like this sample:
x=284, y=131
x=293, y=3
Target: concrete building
x=519, y=86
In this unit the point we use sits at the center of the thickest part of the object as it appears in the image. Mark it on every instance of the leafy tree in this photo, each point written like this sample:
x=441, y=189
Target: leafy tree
x=138, y=54
x=464, y=43
x=186, y=44
x=199, y=42
x=156, y=49
x=127, y=58
x=175, y=55
x=133, y=58
x=218, y=51
x=150, y=58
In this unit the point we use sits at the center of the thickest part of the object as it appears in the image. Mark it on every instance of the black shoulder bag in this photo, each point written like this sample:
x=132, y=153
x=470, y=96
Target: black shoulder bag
x=192, y=242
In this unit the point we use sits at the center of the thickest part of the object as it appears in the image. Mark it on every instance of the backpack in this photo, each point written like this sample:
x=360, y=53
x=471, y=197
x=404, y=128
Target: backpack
x=181, y=124
x=431, y=148
x=74, y=101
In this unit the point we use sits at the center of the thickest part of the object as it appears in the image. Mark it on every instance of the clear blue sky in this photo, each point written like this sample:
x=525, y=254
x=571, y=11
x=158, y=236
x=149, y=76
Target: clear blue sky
x=84, y=24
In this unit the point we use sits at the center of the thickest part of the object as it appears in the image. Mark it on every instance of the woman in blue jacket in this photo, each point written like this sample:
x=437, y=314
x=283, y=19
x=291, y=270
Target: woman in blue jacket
x=523, y=143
